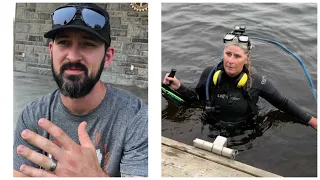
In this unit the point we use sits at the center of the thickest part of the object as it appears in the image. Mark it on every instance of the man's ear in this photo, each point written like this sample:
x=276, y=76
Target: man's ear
x=51, y=48
x=109, y=56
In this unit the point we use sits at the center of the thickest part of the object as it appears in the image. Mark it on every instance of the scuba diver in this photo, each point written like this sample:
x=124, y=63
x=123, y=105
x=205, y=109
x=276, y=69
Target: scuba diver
x=231, y=90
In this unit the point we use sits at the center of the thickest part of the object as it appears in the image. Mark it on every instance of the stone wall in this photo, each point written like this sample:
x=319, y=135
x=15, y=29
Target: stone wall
x=129, y=34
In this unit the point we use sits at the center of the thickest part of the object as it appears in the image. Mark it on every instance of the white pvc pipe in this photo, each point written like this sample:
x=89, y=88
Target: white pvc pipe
x=217, y=147
x=198, y=143
x=207, y=146
x=231, y=153
x=217, y=150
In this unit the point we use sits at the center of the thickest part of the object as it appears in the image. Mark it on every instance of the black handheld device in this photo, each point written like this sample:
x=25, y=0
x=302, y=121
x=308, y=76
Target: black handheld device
x=172, y=73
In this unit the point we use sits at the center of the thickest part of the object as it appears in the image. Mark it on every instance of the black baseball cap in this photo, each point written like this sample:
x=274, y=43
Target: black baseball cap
x=103, y=33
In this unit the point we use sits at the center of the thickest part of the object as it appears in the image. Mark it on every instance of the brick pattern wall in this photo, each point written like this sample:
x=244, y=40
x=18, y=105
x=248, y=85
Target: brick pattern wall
x=129, y=34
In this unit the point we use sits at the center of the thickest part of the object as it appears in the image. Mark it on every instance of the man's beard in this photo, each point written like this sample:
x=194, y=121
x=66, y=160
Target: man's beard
x=76, y=86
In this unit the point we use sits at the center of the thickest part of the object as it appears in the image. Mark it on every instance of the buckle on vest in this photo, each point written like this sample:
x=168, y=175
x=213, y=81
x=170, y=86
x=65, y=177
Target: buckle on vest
x=210, y=109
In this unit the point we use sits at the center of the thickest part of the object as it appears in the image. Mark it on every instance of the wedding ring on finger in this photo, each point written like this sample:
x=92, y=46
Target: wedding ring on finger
x=53, y=165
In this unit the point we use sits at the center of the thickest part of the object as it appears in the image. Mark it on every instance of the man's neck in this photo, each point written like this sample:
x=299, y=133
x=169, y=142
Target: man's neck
x=84, y=105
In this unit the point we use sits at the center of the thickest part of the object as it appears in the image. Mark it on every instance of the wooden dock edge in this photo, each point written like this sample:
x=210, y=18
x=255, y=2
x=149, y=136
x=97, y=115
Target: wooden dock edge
x=216, y=158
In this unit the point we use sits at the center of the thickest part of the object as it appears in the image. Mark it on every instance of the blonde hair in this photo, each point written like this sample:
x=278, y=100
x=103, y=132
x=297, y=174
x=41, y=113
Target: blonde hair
x=247, y=67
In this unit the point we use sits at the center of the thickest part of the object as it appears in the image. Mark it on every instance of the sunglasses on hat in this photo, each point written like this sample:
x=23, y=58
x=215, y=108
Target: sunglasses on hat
x=92, y=18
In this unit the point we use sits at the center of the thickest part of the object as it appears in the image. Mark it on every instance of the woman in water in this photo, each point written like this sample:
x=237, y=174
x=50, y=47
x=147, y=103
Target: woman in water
x=233, y=88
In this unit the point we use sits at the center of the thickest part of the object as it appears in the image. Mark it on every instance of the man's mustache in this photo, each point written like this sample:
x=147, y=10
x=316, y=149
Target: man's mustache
x=77, y=65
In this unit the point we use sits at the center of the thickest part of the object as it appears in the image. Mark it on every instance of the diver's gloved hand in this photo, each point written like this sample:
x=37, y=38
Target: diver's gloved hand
x=174, y=82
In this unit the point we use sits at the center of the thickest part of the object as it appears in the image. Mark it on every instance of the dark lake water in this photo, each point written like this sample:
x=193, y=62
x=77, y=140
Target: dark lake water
x=192, y=40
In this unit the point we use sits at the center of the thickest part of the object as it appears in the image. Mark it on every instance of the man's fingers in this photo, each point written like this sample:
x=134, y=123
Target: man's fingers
x=41, y=142
x=84, y=138
x=57, y=133
x=35, y=172
x=35, y=157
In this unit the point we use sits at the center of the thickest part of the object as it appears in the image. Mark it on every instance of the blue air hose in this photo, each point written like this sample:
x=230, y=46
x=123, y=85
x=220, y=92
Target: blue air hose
x=208, y=81
x=297, y=57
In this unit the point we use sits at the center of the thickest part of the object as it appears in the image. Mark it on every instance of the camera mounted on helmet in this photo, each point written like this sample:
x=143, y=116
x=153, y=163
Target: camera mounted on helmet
x=239, y=29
